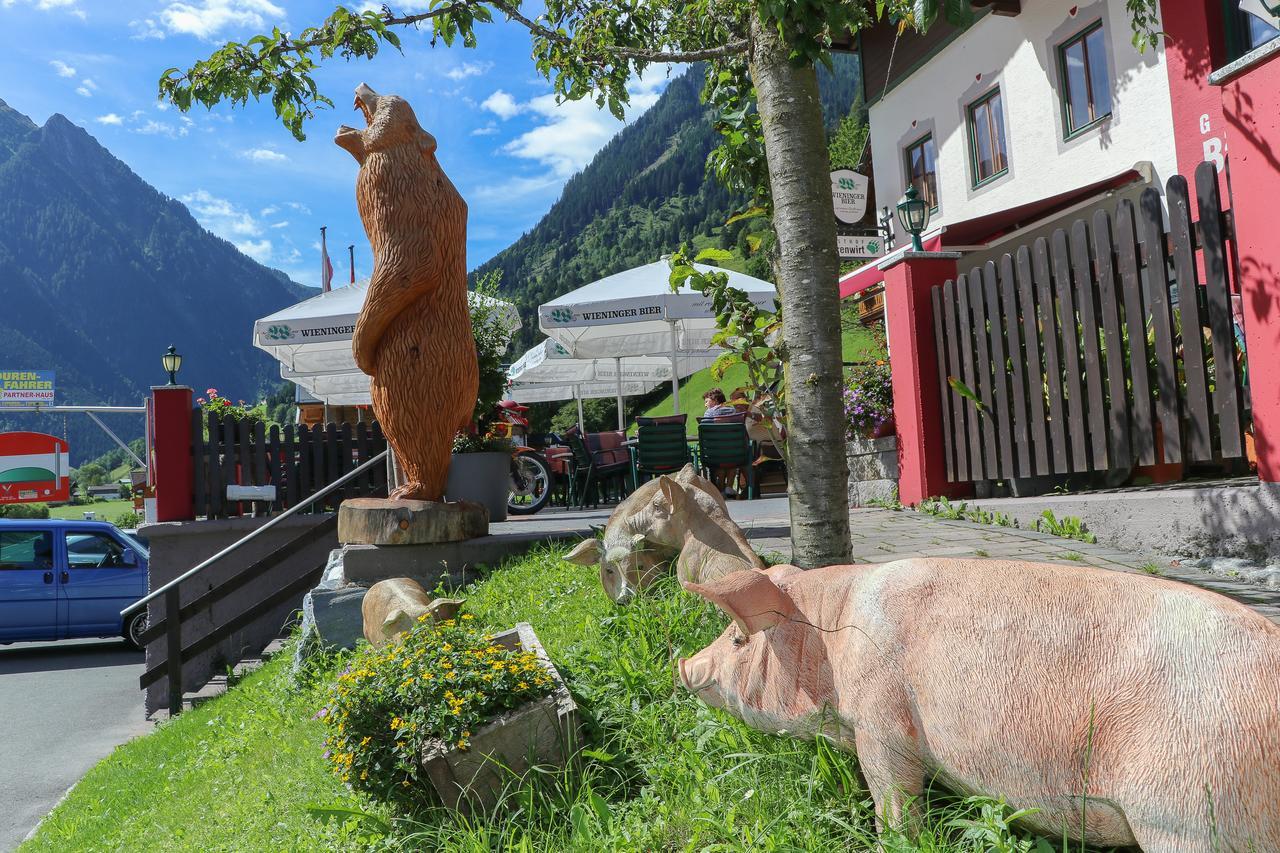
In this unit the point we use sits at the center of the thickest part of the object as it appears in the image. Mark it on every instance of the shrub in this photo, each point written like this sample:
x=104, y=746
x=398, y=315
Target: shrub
x=442, y=682
x=868, y=397
x=223, y=406
x=24, y=510
x=127, y=520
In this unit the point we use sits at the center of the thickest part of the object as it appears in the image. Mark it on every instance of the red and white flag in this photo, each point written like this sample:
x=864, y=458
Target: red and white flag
x=326, y=266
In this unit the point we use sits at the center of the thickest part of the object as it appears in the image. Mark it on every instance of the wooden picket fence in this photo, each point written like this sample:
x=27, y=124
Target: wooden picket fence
x=297, y=460
x=1081, y=345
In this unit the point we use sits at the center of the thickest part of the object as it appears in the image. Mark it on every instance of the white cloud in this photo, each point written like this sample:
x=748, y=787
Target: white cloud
x=83, y=92
x=264, y=155
x=514, y=188
x=159, y=128
x=206, y=19
x=109, y=118
x=70, y=6
x=63, y=69
x=468, y=69
x=87, y=87
x=268, y=210
x=284, y=224
x=573, y=131
x=488, y=130
x=259, y=250
x=501, y=104
x=223, y=217
x=145, y=28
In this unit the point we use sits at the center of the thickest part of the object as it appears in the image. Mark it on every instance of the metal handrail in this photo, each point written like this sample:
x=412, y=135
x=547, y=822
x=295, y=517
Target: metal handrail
x=345, y=478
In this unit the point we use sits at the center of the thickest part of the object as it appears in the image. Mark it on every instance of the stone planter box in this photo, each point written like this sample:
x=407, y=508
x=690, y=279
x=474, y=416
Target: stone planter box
x=873, y=469
x=541, y=733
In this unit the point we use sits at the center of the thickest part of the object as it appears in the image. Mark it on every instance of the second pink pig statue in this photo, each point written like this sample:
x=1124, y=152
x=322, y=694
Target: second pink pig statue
x=1148, y=706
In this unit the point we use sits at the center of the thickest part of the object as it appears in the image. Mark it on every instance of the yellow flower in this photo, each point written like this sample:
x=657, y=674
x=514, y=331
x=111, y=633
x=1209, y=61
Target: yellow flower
x=366, y=740
x=467, y=616
x=423, y=617
x=395, y=723
x=466, y=734
x=405, y=783
x=523, y=686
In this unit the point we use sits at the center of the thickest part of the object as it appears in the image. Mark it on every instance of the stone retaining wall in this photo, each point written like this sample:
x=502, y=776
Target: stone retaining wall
x=873, y=469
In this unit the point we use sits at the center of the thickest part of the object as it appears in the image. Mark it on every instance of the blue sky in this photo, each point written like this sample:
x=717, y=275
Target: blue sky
x=502, y=139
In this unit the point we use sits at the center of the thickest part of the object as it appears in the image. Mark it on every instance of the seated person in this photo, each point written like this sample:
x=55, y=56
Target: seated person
x=716, y=405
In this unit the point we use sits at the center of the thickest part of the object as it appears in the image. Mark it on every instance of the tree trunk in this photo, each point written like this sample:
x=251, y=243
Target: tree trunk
x=808, y=269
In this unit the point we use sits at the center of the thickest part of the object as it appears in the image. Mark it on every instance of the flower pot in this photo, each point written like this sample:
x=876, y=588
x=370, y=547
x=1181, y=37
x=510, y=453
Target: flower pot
x=484, y=478
x=545, y=732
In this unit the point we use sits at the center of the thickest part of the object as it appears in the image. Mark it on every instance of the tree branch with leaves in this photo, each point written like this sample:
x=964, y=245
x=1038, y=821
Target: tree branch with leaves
x=763, y=85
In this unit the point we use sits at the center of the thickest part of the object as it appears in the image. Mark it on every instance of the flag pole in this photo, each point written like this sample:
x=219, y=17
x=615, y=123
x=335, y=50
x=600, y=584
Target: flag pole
x=351, y=254
x=324, y=260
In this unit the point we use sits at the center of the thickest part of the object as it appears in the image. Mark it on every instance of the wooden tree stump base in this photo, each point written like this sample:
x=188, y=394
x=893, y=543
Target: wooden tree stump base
x=381, y=521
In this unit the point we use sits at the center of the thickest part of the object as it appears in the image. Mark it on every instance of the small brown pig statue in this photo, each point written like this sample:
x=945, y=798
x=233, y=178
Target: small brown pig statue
x=681, y=518
x=391, y=607
x=1144, y=710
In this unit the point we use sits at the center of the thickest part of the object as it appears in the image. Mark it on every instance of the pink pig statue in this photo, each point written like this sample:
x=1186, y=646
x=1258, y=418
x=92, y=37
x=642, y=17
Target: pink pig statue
x=1153, y=705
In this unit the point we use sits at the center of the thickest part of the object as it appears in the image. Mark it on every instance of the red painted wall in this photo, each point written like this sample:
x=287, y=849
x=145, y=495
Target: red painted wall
x=172, y=466
x=1251, y=106
x=1194, y=46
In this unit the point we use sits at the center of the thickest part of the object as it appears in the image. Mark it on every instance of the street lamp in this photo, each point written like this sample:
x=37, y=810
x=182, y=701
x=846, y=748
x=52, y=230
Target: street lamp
x=171, y=361
x=913, y=213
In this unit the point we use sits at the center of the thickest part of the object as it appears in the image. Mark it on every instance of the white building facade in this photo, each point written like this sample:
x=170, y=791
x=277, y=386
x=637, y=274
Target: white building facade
x=1051, y=110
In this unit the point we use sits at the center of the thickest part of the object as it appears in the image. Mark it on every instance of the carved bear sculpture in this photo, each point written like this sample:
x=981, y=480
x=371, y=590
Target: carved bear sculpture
x=1147, y=707
x=682, y=519
x=391, y=607
x=413, y=336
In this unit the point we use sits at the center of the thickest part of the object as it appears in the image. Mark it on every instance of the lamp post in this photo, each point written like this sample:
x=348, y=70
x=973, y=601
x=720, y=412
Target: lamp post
x=913, y=213
x=171, y=361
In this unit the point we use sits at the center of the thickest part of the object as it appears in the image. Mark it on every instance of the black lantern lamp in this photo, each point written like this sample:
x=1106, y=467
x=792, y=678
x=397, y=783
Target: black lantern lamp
x=171, y=361
x=913, y=213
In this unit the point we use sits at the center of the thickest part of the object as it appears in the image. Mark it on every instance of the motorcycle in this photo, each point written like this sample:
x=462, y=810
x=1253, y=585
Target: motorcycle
x=531, y=477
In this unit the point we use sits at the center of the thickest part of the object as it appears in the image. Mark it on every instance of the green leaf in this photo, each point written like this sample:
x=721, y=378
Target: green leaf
x=342, y=814
x=749, y=213
x=711, y=253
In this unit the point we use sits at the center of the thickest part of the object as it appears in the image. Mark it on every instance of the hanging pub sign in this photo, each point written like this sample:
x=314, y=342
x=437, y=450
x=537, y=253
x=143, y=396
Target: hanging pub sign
x=26, y=386
x=849, y=193
x=859, y=246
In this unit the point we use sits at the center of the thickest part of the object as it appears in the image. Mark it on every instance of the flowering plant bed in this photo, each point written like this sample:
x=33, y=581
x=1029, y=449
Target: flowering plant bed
x=868, y=400
x=436, y=717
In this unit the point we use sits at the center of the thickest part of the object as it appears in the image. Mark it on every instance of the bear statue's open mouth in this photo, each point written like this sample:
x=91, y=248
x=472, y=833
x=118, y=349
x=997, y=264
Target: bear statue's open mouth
x=366, y=102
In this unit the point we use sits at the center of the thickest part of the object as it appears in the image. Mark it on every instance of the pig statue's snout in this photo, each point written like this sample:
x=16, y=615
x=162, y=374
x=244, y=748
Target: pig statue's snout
x=696, y=674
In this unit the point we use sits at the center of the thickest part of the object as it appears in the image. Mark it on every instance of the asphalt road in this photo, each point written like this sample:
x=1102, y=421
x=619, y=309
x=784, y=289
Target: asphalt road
x=63, y=707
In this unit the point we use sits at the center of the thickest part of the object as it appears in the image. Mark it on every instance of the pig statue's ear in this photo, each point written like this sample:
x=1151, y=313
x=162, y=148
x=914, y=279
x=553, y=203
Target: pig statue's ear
x=587, y=553
x=686, y=474
x=750, y=598
x=670, y=497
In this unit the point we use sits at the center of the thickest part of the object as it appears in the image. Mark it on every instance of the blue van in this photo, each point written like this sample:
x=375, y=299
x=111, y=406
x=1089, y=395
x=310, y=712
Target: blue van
x=61, y=580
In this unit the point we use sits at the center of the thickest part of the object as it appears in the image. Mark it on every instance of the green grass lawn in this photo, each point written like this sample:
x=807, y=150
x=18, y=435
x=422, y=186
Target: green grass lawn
x=105, y=510
x=857, y=344
x=661, y=772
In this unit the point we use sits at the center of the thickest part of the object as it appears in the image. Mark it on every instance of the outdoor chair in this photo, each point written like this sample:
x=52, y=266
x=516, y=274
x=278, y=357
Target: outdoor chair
x=725, y=448
x=661, y=446
x=588, y=475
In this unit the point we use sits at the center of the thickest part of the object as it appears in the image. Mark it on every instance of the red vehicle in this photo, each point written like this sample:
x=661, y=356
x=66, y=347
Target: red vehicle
x=531, y=477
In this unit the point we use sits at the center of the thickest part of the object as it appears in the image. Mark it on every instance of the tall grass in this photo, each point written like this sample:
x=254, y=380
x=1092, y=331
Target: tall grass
x=659, y=770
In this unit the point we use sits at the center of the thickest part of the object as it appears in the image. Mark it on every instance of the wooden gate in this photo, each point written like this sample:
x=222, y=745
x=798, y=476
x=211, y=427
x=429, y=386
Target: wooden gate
x=296, y=460
x=1080, y=349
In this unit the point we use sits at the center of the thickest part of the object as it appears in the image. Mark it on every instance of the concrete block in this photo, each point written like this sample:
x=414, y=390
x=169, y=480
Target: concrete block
x=455, y=563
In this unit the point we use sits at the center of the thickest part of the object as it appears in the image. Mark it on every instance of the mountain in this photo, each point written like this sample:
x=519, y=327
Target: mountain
x=100, y=273
x=644, y=193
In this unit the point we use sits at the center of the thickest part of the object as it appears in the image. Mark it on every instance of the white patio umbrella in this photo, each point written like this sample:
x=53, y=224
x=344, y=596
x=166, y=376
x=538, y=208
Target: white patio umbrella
x=634, y=313
x=550, y=362
x=312, y=342
x=548, y=392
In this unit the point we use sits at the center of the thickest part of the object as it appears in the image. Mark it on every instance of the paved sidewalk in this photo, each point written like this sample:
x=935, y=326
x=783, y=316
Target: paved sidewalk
x=881, y=535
